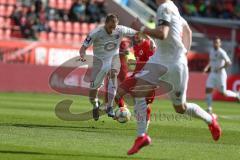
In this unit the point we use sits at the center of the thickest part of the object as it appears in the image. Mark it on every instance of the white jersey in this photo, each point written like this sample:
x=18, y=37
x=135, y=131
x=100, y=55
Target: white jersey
x=105, y=44
x=171, y=49
x=218, y=58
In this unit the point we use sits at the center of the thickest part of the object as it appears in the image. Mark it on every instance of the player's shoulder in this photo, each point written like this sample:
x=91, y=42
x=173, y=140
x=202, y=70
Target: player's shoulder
x=96, y=31
x=222, y=51
x=121, y=27
x=164, y=7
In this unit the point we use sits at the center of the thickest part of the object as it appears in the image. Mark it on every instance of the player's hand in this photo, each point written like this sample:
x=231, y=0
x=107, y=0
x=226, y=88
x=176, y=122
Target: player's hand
x=82, y=59
x=136, y=24
x=205, y=70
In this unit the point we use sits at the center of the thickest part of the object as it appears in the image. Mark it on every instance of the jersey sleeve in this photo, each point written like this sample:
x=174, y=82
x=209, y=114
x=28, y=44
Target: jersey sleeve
x=89, y=39
x=126, y=31
x=225, y=56
x=184, y=22
x=163, y=16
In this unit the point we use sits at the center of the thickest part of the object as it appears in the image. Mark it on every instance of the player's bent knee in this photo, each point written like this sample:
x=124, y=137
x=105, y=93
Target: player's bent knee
x=208, y=90
x=113, y=74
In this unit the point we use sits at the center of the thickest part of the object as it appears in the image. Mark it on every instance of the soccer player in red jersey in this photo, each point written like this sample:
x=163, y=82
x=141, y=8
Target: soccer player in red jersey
x=143, y=48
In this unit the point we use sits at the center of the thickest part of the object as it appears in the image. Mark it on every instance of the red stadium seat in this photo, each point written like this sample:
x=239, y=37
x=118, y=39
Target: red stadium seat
x=7, y=22
x=51, y=37
x=3, y=1
x=52, y=25
x=68, y=27
x=2, y=10
x=76, y=27
x=68, y=38
x=60, y=4
x=43, y=36
x=11, y=2
x=9, y=11
x=76, y=38
x=60, y=26
x=1, y=33
x=68, y=4
x=92, y=26
x=1, y=22
x=59, y=37
x=84, y=28
x=7, y=34
x=83, y=37
x=52, y=4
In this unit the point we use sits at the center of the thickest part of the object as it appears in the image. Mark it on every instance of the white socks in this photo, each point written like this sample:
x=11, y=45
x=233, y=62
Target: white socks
x=209, y=100
x=196, y=111
x=140, y=111
x=112, y=90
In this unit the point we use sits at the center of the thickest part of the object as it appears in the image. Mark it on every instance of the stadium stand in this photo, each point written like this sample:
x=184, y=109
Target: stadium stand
x=46, y=20
x=226, y=9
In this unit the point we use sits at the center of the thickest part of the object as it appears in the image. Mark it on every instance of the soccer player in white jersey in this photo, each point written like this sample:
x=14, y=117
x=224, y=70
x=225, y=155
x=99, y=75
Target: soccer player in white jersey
x=106, y=40
x=170, y=54
x=217, y=78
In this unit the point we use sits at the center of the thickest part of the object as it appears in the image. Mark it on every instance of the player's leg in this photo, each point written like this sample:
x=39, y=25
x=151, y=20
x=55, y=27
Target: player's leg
x=209, y=99
x=97, y=76
x=149, y=100
x=210, y=85
x=140, y=112
x=178, y=97
x=112, y=90
x=222, y=86
x=141, y=90
x=112, y=84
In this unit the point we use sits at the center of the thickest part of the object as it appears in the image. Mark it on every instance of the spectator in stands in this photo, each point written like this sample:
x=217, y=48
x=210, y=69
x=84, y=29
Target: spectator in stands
x=101, y=5
x=225, y=9
x=77, y=11
x=17, y=14
x=189, y=8
x=237, y=10
x=92, y=12
x=41, y=24
x=27, y=22
x=201, y=7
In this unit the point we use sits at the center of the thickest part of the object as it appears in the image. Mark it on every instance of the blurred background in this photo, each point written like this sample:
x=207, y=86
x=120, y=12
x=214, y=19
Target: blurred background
x=36, y=36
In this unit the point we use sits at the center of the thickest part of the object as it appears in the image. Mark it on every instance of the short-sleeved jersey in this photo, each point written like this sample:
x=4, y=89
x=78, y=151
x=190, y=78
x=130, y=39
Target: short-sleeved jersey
x=172, y=48
x=218, y=58
x=142, y=53
x=105, y=44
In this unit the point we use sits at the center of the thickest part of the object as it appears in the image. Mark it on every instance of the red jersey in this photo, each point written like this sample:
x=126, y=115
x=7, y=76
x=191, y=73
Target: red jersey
x=142, y=52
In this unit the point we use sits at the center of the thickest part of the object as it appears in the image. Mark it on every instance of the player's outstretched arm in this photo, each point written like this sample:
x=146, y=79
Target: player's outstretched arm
x=207, y=68
x=82, y=53
x=160, y=32
x=187, y=35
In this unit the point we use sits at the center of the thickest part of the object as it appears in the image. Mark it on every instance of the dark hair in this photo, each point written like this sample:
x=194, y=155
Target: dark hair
x=111, y=17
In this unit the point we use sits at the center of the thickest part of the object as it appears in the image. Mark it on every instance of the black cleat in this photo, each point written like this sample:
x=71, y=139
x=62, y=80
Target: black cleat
x=110, y=112
x=95, y=113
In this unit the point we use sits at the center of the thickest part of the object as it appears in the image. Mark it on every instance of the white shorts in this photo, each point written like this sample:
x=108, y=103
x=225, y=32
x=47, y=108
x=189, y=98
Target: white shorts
x=101, y=67
x=217, y=80
x=176, y=74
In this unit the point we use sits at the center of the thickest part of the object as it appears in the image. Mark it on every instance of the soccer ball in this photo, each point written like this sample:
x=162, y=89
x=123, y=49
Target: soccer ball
x=122, y=114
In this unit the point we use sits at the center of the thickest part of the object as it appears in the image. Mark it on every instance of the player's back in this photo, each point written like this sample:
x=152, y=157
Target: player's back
x=172, y=48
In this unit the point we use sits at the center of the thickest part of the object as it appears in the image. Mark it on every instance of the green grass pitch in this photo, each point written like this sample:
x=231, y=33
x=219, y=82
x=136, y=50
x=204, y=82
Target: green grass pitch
x=29, y=130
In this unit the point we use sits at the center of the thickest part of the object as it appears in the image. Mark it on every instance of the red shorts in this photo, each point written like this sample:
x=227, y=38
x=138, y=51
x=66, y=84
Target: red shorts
x=129, y=84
